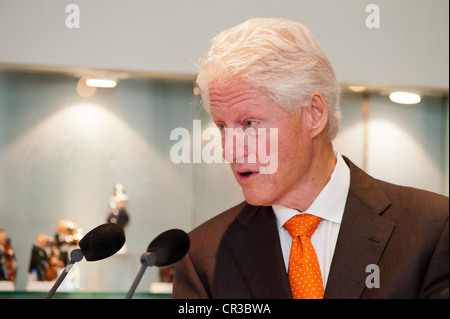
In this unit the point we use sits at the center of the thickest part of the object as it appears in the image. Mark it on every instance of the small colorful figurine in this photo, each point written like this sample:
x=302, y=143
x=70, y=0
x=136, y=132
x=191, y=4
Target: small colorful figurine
x=117, y=212
x=8, y=263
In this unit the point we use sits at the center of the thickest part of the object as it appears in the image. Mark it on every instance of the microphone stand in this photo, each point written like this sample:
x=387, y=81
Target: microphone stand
x=75, y=256
x=147, y=260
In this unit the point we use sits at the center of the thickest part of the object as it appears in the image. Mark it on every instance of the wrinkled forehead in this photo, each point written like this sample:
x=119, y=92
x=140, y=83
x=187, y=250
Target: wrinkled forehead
x=234, y=95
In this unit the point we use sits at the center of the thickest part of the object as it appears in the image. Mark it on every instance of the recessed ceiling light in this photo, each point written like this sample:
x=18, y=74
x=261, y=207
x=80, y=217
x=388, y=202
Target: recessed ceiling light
x=101, y=83
x=405, y=97
x=357, y=88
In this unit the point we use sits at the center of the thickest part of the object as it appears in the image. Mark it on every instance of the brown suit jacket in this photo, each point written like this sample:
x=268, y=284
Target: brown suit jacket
x=403, y=230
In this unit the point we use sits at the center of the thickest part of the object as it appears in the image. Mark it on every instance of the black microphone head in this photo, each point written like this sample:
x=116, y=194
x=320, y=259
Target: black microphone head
x=170, y=246
x=102, y=242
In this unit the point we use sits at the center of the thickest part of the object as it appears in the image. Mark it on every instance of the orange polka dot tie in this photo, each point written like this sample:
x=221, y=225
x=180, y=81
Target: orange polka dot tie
x=305, y=277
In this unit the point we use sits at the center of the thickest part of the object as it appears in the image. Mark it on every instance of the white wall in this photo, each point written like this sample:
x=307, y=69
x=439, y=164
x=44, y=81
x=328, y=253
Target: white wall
x=169, y=36
x=406, y=144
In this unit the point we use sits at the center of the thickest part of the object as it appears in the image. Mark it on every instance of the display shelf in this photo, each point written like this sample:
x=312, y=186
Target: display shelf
x=80, y=295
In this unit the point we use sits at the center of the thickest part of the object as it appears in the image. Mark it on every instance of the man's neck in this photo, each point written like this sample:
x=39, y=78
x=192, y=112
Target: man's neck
x=309, y=188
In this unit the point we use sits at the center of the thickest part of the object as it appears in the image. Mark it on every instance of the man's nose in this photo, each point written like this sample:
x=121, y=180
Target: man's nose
x=237, y=146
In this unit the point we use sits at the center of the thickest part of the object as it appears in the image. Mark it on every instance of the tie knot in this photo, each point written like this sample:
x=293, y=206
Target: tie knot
x=302, y=225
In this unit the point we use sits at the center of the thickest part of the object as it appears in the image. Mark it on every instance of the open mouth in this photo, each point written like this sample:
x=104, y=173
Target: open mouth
x=246, y=174
x=245, y=177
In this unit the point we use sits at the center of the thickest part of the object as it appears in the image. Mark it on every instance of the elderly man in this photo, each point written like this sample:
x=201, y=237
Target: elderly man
x=317, y=226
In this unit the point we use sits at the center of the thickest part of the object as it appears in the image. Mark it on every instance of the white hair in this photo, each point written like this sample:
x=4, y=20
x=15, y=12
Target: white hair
x=278, y=57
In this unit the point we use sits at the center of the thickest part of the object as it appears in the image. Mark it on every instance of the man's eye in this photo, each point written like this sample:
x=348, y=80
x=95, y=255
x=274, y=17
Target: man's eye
x=221, y=127
x=250, y=123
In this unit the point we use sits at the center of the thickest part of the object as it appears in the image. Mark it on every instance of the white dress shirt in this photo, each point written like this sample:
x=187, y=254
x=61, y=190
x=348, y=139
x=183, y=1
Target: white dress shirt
x=328, y=205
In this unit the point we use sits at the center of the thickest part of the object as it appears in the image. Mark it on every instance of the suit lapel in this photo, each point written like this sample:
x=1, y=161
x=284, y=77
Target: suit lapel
x=254, y=242
x=362, y=238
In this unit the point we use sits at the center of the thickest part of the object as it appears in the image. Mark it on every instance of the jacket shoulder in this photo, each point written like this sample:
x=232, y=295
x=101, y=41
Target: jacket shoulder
x=404, y=200
x=222, y=219
x=423, y=203
x=213, y=229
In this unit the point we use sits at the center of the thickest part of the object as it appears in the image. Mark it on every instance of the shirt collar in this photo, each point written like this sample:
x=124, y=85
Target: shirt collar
x=330, y=202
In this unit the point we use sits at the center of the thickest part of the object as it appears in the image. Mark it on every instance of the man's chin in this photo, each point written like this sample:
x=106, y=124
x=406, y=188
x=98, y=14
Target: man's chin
x=256, y=199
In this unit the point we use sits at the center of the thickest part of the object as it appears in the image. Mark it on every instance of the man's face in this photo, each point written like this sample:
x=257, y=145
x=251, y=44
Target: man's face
x=239, y=106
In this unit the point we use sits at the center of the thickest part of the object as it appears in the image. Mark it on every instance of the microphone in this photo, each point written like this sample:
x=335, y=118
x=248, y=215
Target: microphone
x=101, y=242
x=167, y=248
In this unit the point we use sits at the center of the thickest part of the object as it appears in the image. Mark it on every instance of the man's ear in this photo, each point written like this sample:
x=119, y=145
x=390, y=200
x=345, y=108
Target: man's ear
x=319, y=113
